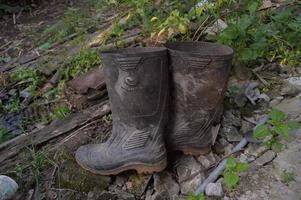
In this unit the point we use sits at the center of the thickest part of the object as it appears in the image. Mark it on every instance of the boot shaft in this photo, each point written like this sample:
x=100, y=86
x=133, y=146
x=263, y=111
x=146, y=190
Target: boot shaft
x=137, y=84
x=199, y=76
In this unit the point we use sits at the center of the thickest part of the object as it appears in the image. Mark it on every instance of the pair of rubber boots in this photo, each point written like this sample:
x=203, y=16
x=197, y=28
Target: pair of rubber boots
x=161, y=99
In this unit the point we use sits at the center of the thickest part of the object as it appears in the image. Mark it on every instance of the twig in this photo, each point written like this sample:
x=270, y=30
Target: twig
x=195, y=33
x=260, y=78
x=6, y=44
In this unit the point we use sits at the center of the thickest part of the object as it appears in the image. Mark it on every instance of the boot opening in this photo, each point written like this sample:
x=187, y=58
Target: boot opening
x=200, y=48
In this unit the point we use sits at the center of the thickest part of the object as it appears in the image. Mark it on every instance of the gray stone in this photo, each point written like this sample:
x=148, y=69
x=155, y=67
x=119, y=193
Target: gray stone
x=289, y=160
x=214, y=189
x=207, y=160
x=292, y=107
x=246, y=126
x=188, y=170
x=265, y=158
x=231, y=118
x=255, y=149
x=295, y=81
x=264, y=97
x=289, y=90
x=121, y=180
x=231, y=133
x=216, y=28
x=165, y=185
x=274, y=102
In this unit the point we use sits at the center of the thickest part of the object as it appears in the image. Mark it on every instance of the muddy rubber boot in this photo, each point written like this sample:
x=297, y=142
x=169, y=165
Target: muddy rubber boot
x=199, y=76
x=137, y=84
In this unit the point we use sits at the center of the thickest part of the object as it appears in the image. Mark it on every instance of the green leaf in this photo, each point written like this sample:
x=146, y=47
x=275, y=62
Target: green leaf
x=46, y=45
x=242, y=167
x=293, y=125
x=262, y=131
x=282, y=129
x=192, y=196
x=231, y=163
x=277, y=115
x=231, y=179
x=253, y=7
x=277, y=146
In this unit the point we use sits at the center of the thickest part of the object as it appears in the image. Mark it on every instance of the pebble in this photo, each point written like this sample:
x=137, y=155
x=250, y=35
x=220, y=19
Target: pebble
x=265, y=158
x=214, y=189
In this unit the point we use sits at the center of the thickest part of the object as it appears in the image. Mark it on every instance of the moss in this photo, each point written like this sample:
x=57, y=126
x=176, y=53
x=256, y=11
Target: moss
x=72, y=176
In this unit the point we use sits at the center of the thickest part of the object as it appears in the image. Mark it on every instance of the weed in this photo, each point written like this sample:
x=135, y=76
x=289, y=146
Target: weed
x=19, y=170
x=268, y=35
x=60, y=112
x=81, y=63
x=28, y=78
x=13, y=106
x=232, y=170
x=39, y=160
x=4, y=135
x=74, y=21
x=288, y=177
x=192, y=196
x=107, y=119
x=277, y=127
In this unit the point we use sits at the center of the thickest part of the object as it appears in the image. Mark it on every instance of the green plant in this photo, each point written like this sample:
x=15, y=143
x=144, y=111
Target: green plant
x=287, y=177
x=85, y=60
x=74, y=21
x=107, y=118
x=19, y=170
x=27, y=77
x=232, y=170
x=5, y=135
x=13, y=106
x=269, y=35
x=277, y=127
x=39, y=160
x=192, y=196
x=60, y=112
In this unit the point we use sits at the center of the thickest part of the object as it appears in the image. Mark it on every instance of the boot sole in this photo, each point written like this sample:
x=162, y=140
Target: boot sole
x=141, y=168
x=193, y=151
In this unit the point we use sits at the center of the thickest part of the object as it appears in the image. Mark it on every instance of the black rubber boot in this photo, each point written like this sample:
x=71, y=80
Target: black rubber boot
x=137, y=84
x=199, y=75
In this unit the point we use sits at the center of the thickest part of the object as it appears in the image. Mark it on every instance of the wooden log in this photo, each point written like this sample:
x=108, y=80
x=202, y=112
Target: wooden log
x=52, y=131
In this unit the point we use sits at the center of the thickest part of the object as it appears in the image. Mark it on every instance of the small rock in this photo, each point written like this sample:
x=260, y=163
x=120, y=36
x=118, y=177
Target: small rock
x=240, y=99
x=252, y=92
x=12, y=92
x=207, y=160
x=217, y=27
x=214, y=189
x=295, y=81
x=121, y=180
x=246, y=126
x=163, y=183
x=231, y=134
x=265, y=158
x=188, y=171
x=290, y=90
x=292, y=107
x=279, y=97
x=255, y=150
x=264, y=97
x=230, y=119
x=274, y=102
